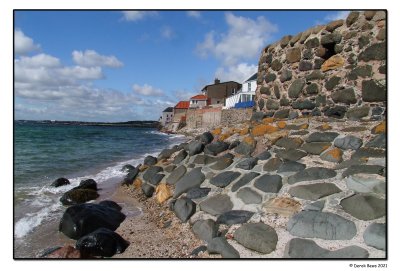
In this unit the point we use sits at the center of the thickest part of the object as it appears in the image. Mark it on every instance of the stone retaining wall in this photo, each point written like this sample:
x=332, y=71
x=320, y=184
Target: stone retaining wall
x=235, y=116
x=211, y=117
x=337, y=70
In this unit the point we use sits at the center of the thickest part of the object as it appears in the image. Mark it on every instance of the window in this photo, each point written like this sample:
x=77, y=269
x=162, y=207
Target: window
x=233, y=91
x=249, y=87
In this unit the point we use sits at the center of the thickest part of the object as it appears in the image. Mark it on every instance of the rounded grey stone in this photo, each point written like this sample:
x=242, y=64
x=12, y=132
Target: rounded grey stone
x=328, y=226
x=234, y=217
x=364, y=207
x=375, y=236
x=150, y=172
x=216, y=148
x=272, y=164
x=249, y=196
x=367, y=169
x=316, y=148
x=346, y=96
x=246, y=178
x=363, y=183
x=176, y=175
x=291, y=166
x=195, y=147
x=247, y=163
x=322, y=137
x=311, y=174
x=180, y=157
x=295, y=88
x=269, y=183
x=377, y=142
x=257, y=236
x=192, y=179
x=225, y=178
x=303, y=248
x=289, y=142
x=184, y=208
x=221, y=246
x=348, y=142
x=197, y=192
x=314, y=191
x=205, y=229
x=291, y=154
x=216, y=205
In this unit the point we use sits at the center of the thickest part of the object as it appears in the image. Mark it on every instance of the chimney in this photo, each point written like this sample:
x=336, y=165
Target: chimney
x=216, y=81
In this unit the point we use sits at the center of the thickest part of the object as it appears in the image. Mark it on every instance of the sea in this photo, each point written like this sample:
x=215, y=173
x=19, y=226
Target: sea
x=46, y=151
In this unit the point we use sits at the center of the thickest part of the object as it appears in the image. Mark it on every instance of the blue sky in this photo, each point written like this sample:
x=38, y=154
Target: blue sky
x=130, y=65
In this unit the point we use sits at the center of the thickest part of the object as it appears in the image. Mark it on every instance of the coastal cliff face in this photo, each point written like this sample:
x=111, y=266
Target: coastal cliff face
x=335, y=70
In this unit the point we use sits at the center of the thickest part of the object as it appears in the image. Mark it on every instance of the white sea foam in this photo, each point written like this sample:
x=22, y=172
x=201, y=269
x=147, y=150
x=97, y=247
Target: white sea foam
x=45, y=199
x=32, y=220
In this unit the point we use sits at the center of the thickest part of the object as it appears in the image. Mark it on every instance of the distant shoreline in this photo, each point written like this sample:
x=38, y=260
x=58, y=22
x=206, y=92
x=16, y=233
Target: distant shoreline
x=135, y=123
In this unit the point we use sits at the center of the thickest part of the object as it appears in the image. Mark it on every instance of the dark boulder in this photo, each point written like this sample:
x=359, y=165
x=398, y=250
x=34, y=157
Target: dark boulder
x=184, y=208
x=180, y=157
x=150, y=160
x=102, y=242
x=77, y=196
x=216, y=148
x=195, y=147
x=131, y=176
x=110, y=204
x=127, y=168
x=60, y=182
x=147, y=190
x=150, y=172
x=206, y=138
x=88, y=184
x=82, y=219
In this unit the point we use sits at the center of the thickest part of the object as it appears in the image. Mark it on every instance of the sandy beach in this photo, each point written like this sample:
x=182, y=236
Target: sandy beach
x=154, y=233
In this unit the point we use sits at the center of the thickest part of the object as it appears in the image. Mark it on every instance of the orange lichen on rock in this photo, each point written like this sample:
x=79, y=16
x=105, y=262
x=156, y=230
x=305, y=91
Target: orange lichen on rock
x=281, y=124
x=304, y=126
x=244, y=131
x=324, y=127
x=217, y=131
x=163, y=193
x=380, y=128
x=268, y=120
x=137, y=183
x=263, y=129
x=332, y=63
x=333, y=155
x=249, y=140
x=276, y=136
x=224, y=136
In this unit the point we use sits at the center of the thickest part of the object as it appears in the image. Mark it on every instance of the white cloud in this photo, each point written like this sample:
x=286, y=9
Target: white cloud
x=184, y=95
x=40, y=60
x=90, y=58
x=237, y=73
x=337, y=16
x=167, y=32
x=147, y=90
x=137, y=15
x=194, y=14
x=243, y=40
x=23, y=44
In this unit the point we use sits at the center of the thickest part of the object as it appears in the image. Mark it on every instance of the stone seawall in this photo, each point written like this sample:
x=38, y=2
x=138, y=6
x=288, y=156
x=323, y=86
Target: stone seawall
x=337, y=70
x=212, y=117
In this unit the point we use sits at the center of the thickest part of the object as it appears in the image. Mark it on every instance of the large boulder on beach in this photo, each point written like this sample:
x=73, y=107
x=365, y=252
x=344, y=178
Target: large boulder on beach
x=60, y=182
x=216, y=148
x=111, y=204
x=150, y=160
x=82, y=219
x=78, y=195
x=88, y=184
x=102, y=242
x=194, y=147
x=194, y=178
x=131, y=176
x=206, y=138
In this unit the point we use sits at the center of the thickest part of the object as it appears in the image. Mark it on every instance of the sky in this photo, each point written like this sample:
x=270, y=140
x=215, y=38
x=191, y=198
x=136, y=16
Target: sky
x=130, y=65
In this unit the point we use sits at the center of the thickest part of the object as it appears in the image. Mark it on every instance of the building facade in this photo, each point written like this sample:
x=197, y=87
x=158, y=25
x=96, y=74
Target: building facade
x=167, y=116
x=246, y=95
x=198, y=101
x=218, y=92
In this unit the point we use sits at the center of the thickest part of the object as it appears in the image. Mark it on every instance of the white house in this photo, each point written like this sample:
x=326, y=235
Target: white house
x=198, y=101
x=167, y=116
x=246, y=94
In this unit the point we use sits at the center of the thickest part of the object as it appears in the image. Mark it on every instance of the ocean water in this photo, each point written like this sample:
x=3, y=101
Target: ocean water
x=45, y=152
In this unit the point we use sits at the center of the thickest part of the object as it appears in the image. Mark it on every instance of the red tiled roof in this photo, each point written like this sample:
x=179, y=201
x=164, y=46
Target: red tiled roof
x=182, y=105
x=199, y=97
